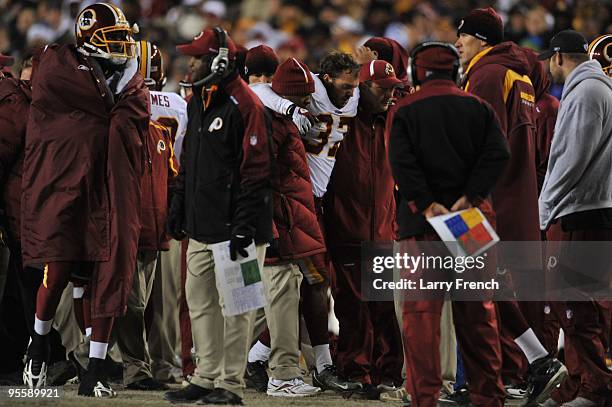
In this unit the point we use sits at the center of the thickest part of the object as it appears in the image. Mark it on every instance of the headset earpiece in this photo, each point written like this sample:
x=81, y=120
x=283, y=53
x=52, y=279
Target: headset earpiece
x=412, y=68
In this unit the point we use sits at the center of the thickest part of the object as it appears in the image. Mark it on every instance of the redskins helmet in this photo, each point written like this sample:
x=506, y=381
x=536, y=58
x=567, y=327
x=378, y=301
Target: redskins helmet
x=601, y=50
x=102, y=31
x=151, y=65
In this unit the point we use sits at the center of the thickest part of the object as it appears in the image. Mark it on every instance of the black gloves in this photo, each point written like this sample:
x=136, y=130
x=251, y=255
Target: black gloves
x=238, y=245
x=175, y=219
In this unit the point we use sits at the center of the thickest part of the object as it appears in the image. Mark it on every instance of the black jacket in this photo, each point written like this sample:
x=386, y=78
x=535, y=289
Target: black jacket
x=223, y=186
x=444, y=143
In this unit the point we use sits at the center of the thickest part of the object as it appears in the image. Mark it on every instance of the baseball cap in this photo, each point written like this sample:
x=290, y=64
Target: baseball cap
x=565, y=42
x=206, y=43
x=6, y=60
x=381, y=73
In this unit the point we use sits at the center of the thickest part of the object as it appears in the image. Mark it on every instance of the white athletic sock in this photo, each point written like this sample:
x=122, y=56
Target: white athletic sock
x=531, y=346
x=88, y=331
x=98, y=349
x=259, y=351
x=323, y=356
x=42, y=327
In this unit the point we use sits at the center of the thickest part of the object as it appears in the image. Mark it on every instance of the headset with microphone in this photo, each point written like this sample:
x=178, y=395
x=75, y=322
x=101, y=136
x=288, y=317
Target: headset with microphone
x=457, y=74
x=219, y=67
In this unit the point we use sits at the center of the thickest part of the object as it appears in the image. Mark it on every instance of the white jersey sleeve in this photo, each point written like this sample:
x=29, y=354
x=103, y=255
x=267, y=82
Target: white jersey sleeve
x=170, y=110
x=270, y=99
x=324, y=139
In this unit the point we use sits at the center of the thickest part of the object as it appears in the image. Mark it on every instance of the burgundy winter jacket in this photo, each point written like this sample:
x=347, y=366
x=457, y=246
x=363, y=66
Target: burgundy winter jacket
x=15, y=97
x=359, y=203
x=83, y=165
x=499, y=75
x=160, y=170
x=295, y=219
x=546, y=114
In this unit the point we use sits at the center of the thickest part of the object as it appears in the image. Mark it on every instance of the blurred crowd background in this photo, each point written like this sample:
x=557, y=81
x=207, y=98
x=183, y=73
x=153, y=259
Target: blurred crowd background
x=306, y=29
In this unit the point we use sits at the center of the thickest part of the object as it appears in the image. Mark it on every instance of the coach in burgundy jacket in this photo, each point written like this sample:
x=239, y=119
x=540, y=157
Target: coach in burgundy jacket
x=360, y=207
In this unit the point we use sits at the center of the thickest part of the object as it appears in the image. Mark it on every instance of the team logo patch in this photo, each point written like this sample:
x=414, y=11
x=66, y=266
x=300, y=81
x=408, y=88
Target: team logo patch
x=216, y=124
x=461, y=24
x=389, y=69
x=198, y=36
x=253, y=140
x=161, y=146
x=87, y=20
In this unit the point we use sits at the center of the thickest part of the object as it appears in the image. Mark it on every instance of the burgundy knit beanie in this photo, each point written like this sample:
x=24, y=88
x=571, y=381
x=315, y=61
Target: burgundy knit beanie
x=293, y=78
x=261, y=60
x=484, y=24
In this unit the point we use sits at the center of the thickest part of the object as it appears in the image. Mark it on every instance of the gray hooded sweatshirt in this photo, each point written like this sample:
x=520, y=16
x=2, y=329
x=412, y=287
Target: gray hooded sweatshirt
x=579, y=173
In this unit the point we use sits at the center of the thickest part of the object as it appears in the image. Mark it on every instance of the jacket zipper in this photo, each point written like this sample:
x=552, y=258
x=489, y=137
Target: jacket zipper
x=285, y=210
x=373, y=180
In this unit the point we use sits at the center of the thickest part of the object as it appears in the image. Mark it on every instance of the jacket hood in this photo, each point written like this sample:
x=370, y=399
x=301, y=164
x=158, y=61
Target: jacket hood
x=538, y=75
x=391, y=51
x=587, y=70
x=507, y=54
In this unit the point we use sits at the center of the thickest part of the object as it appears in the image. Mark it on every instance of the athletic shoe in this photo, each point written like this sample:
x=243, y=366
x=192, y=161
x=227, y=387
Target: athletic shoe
x=386, y=387
x=95, y=381
x=366, y=392
x=329, y=379
x=460, y=397
x=37, y=359
x=517, y=391
x=544, y=375
x=189, y=394
x=256, y=376
x=399, y=395
x=291, y=388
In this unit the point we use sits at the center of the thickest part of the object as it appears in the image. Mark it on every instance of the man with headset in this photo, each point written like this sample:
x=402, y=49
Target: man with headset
x=222, y=193
x=446, y=152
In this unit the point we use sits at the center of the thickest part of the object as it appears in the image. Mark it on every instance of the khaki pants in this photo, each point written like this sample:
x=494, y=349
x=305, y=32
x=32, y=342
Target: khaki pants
x=448, y=339
x=282, y=288
x=130, y=329
x=221, y=342
x=164, y=335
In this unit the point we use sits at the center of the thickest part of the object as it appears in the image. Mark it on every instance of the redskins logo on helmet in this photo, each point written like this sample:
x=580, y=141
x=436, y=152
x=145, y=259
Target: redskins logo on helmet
x=601, y=50
x=151, y=65
x=102, y=31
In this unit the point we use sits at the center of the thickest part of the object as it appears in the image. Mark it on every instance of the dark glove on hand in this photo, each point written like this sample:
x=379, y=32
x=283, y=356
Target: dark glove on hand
x=175, y=220
x=238, y=245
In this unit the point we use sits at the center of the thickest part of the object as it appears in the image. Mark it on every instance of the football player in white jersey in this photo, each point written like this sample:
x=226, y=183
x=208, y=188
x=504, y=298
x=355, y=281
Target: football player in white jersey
x=334, y=104
x=167, y=108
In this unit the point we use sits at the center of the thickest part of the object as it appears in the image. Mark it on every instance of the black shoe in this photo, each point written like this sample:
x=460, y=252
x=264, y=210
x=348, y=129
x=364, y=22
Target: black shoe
x=221, y=396
x=37, y=361
x=517, y=391
x=330, y=379
x=544, y=375
x=60, y=372
x=80, y=370
x=366, y=392
x=95, y=381
x=147, y=384
x=189, y=394
x=460, y=397
x=256, y=376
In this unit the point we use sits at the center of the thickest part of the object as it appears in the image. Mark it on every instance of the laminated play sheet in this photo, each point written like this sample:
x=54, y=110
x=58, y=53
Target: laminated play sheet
x=466, y=233
x=239, y=281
